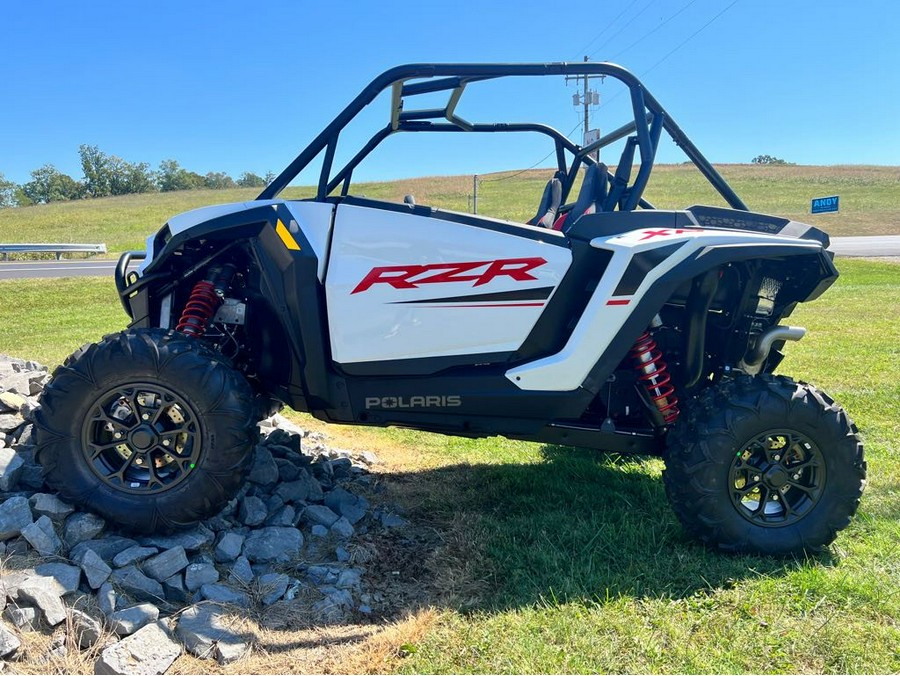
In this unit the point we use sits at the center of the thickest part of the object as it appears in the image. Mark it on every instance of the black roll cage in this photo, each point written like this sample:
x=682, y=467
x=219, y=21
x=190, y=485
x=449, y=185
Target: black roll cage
x=407, y=81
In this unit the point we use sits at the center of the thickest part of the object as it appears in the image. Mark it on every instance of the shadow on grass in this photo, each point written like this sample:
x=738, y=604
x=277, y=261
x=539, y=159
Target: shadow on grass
x=577, y=527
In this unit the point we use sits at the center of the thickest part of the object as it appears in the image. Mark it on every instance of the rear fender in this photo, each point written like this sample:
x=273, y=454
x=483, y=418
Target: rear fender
x=647, y=266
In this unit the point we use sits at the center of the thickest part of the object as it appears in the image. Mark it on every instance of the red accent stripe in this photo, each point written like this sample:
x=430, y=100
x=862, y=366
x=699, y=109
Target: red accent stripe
x=618, y=302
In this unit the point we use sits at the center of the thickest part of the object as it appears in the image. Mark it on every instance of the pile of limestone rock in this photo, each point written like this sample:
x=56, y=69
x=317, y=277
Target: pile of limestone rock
x=138, y=601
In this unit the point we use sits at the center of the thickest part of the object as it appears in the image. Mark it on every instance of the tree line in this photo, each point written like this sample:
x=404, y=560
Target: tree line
x=108, y=175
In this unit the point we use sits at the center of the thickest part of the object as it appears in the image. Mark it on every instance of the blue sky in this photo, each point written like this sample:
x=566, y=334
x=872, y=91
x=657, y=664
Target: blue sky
x=235, y=86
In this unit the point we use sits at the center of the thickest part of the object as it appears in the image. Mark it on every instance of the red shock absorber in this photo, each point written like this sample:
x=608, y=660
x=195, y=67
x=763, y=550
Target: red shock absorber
x=653, y=373
x=199, y=310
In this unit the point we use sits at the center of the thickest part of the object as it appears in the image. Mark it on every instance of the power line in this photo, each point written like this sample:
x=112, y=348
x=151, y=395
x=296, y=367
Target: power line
x=648, y=34
x=690, y=37
x=608, y=26
x=673, y=50
x=621, y=30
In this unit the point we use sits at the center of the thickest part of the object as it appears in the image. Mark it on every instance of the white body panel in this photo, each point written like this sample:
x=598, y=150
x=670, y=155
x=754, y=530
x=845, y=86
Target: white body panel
x=604, y=316
x=314, y=219
x=377, y=321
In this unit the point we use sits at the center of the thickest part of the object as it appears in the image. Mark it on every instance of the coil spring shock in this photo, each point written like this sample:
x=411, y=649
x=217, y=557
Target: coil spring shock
x=199, y=310
x=653, y=373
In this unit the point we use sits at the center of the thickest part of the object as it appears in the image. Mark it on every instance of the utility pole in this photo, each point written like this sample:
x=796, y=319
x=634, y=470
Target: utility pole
x=587, y=98
x=475, y=194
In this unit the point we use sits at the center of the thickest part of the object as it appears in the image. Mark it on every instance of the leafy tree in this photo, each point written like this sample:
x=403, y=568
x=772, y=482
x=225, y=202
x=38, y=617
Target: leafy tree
x=106, y=175
x=8, y=193
x=95, y=164
x=128, y=178
x=171, y=176
x=250, y=180
x=218, y=180
x=48, y=184
x=269, y=177
x=768, y=159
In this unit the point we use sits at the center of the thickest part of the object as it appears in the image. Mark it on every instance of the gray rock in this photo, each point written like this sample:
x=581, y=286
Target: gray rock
x=264, y=471
x=11, y=402
x=10, y=469
x=229, y=547
x=128, y=620
x=42, y=537
x=293, y=491
x=316, y=494
x=342, y=528
x=273, y=544
x=15, y=514
x=10, y=421
x=95, y=569
x=284, y=516
x=350, y=578
x=134, y=554
x=272, y=587
x=319, y=530
x=287, y=470
x=341, y=467
x=226, y=653
x=252, y=511
x=67, y=576
x=166, y=564
x=106, y=548
x=368, y=458
x=86, y=629
x=137, y=585
x=344, y=503
x=40, y=595
x=9, y=642
x=342, y=554
x=47, y=504
x=23, y=617
x=198, y=574
x=319, y=514
x=241, y=571
x=389, y=520
x=204, y=629
x=192, y=540
x=107, y=598
x=175, y=590
x=150, y=650
x=220, y=593
x=82, y=526
x=323, y=574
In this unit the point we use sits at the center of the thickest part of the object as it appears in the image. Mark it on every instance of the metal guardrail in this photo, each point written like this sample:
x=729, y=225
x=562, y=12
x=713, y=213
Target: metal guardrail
x=58, y=249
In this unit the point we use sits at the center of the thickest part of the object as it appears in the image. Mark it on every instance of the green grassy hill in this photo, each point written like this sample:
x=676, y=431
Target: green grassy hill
x=869, y=203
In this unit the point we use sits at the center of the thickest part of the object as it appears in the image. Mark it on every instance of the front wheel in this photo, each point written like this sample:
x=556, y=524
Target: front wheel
x=765, y=465
x=149, y=428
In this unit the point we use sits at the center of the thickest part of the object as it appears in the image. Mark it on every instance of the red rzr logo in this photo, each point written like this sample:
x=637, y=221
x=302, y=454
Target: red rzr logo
x=482, y=272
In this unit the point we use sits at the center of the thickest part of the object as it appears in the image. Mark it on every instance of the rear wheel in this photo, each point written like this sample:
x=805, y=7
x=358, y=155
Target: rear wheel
x=765, y=465
x=151, y=429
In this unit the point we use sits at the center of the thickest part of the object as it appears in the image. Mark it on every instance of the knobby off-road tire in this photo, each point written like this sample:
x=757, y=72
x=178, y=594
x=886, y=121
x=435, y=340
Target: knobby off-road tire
x=149, y=428
x=764, y=465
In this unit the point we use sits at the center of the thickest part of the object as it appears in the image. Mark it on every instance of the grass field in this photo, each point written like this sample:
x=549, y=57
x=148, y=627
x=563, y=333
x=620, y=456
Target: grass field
x=523, y=558
x=869, y=202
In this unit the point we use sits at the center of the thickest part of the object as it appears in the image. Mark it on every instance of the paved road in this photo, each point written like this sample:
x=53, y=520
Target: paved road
x=877, y=245
x=881, y=245
x=84, y=268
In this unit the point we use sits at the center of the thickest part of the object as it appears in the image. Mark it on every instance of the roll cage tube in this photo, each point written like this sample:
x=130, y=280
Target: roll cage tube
x=650, y=119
